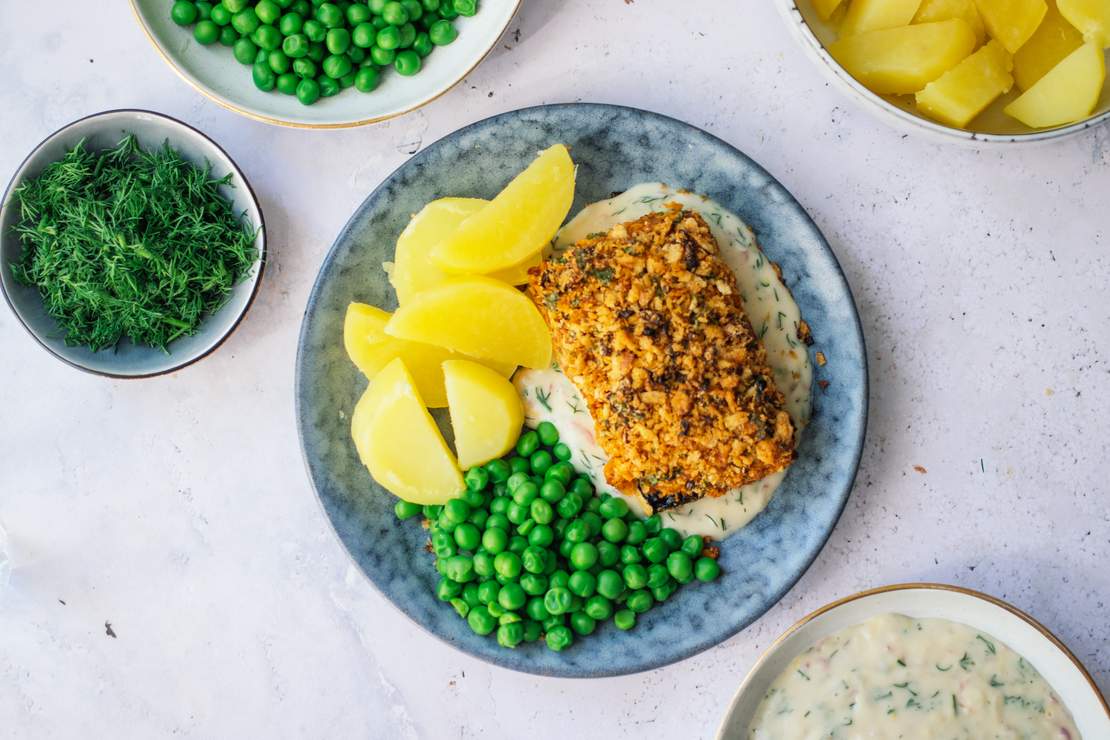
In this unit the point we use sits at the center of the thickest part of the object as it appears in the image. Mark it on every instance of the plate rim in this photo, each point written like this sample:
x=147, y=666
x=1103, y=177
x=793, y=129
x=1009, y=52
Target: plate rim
x=227, y=104
x=891, y=588
x=256, y=279
x=859, y=442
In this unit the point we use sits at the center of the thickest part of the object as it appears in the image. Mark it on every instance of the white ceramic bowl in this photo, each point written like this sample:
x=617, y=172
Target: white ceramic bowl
x=992, y=127
x=1063, y=671
x=214, y=72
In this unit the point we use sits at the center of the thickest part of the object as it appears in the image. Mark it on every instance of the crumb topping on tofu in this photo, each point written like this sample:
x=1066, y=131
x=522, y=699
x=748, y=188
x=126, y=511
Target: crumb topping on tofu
x=647, y=322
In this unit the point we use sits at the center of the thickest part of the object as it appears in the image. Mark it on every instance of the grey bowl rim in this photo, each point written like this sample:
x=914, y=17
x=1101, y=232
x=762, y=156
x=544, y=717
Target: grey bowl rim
x=17, y=178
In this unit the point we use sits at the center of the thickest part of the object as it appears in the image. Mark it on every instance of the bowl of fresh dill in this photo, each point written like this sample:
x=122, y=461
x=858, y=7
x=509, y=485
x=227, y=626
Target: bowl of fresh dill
x=131, y=245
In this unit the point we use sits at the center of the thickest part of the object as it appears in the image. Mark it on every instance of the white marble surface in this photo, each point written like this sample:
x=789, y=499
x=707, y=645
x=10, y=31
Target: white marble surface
x=177, y=509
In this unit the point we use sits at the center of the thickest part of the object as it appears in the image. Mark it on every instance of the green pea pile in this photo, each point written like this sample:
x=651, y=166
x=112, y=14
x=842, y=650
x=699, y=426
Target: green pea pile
x=530, y=550
x=314, y=49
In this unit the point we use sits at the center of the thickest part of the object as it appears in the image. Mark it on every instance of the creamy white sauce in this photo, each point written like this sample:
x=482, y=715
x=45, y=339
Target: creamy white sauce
x=550, y=396
x=914, y=679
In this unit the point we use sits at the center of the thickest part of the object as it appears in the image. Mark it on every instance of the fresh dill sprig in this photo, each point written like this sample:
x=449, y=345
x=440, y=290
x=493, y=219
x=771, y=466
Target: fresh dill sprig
x=130, y=243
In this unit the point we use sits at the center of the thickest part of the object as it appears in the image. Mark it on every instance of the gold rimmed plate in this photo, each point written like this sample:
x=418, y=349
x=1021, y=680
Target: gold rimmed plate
x=1022, y=633
x=214, y=72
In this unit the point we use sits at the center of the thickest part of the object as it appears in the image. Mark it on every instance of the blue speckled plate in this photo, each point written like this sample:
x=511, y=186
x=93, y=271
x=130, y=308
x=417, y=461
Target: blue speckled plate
x=615, y=148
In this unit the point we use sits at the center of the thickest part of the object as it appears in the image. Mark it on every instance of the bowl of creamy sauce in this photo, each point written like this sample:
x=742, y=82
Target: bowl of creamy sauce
x=549, y=395
x=918, y=662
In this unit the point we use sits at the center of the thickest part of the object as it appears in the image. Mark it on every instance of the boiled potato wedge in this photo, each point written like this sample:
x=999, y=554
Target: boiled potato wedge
x=1053, y=40
x=479, y=317
x=964, y=91
x=932, y=11
x=413, y=269
x=1012, y=22
x=904, y=60
x=399, y=442
x=1067, y=93
x=825, y=8
x=518, y=223
x=486, y=412
x=371, y=349
x=875, y=15
x=1091, y=17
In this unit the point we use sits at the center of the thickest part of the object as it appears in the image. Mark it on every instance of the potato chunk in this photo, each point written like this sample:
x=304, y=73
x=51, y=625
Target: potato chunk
x=413, y=269
x=1091, y=17
x=1067, y=93
x=825, y=8
x=932, y=11
x=1012, y=21
x=486, y=412
x=399, y=442
x=518, y=223
x=1054, y=39
x=371, y=349
x=904, y=60
x=962, y=92
x=479, y=317
x=875, y=15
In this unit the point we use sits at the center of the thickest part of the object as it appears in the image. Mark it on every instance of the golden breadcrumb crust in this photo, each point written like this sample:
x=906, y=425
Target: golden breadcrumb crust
x=647, y=322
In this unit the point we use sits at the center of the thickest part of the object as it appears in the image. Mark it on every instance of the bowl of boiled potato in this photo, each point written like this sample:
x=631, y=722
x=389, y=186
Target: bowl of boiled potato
x=971, y=70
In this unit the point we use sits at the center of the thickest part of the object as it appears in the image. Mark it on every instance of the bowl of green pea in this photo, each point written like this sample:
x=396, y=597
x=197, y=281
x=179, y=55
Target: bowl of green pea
x=316, y=64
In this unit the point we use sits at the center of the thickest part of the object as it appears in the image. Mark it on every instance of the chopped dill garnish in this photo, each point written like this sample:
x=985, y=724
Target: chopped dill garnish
x=129, y=243
x=543, y=398
x=966, y=662
x=803, y=674
x=988, y=643
x=945, y=669
x=995, y=683
x=901, y=662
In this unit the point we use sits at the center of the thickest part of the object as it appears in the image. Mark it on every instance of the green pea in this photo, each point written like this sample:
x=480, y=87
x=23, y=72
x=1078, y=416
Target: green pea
x=525, y=527
x=498, y=469
x=278, y=62
x=608, y=554
x=329, y=14
x=430, y=6
x=317, y=51
x=338, y=40
x=483, y=564
x=336, y=66
x=662, y=593
x=245, y=21
x=614, y=530
x=459, y=568
x=635, y=576
x=559, y=638
x=220, y=15
x=516, y=480
x=561, y=451
x=693, y=545
x=630, y=554
x=488, y=591
x=404, y=509
x=456, y=510
x=536, y=610
x=563, y=472
x=533, y=584
x=499, y=521
x=593, y=523
x=465, y=7
x=532, y=631
x=267, y=37
x=376, y=6
x=637, y=533
x=290, y=24
x=582, y=623
x=228, y=36
x=431, y=511
x=528, y=442
x=526, y=493
x=547, y=433
x=707, y=569
x=264, y=77
x=653, y=524
x=500, y=505
x=583, y=487
x=443, y=544
x=314, y=30
x=204, y=10
x=625, y=619
x=236, y=6
x=565, y=547
x=395, y=14
x=657, y=575
x=640, y=601
x=413, y=8
x=533, y=560
x=552, y=491
x=443, y=522
x=680, y=566
x=510, y=635
x=183, y=13
x=357, y=13
x=442, y=32
x=467, y=536
x=302, y=8
x=495, y=609
x=348, y=80
x=598, y=607
x=422, y=45
x=540, y=460
x=480, y=620
x=614, y=508
x=593, y=504
x=582, y=583
x=461, y=607
x=557, y=600
x=559, y=578
x=494, y=540
x=518, y=513
x=470, y=594
x=517, y=463
x=267, y=11
x=507, y=564
x=583, y=556
x=655, y=550
x=476, y=478
x=577, y=532
x=474, y=499
x=671, y=538
x=541, y=511
x=511, y=596
x=408, y=35
x=518, y=544
x=447, y=589
x=569, y=506
x=206, y=32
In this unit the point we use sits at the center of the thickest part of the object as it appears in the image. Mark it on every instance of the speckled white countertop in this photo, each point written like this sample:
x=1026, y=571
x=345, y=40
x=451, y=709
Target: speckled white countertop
x=177, y=511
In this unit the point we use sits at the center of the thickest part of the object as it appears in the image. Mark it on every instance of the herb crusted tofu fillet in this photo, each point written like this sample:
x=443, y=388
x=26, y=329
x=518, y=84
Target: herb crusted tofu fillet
x=647, y=322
